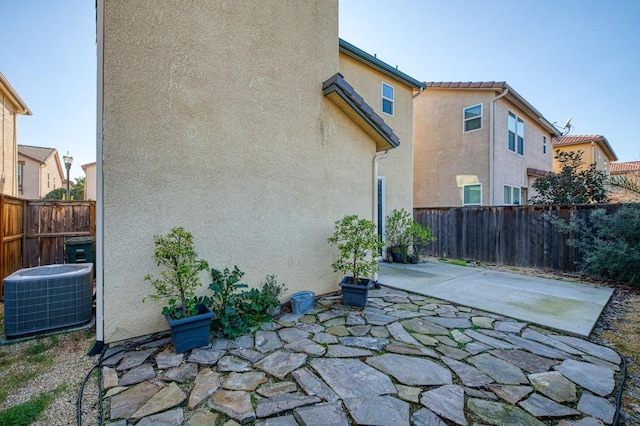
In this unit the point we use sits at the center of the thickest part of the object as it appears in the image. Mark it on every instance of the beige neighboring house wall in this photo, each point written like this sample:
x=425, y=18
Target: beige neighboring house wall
x=41, y=170
x=11, y=105
x=368, y=74
x=89, y=181
x=595, y=149
x=447, y=158
x=215, y=120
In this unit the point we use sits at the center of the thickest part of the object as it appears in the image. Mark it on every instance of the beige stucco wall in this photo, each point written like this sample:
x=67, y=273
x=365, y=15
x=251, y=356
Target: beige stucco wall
x=511, y=167
x=90, y=171
x=39, y=179
x=446, y=157
x=214, y=120
x=397, y=166
x=591, y=153
x=30, y=178
x=8, y=151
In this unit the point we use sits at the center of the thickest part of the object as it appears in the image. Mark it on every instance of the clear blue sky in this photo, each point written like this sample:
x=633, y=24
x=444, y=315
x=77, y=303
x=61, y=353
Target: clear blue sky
x=577, y=58
x=566, y=57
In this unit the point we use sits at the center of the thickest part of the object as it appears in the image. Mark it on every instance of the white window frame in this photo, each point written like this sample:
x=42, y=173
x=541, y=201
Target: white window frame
x=465, y=120
x=513, y=190
x=471, y=204
x=388, y=99
x=516, y=135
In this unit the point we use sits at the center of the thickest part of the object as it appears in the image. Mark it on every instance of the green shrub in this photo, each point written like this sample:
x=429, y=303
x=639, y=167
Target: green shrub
x=239, y=311
x=359, y=246
x=403, y=232
x=179, y=274
x=609, y=243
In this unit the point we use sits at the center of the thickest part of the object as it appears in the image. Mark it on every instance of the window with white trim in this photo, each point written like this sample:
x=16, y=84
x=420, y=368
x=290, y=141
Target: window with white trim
x=516, y=133
x=511, y=195
x=387, y=99
x=48, y=180
x=472, y=118
x=472, y=195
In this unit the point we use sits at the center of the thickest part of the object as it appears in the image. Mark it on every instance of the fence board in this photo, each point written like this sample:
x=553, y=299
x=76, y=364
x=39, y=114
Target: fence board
x=33, y=232
x=508, y=235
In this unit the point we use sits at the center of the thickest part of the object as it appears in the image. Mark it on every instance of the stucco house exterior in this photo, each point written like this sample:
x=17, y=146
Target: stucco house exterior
x=90, y=181
x=40, y=171
x=248, y=123
x=478, y=144
x=596, y=150
x=12, y=106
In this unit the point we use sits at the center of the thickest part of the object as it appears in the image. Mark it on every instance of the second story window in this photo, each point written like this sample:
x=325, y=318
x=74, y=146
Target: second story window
x=472, y=118
x=48, y=180
x=516, y=134
x=387, y=99
x=544, y=144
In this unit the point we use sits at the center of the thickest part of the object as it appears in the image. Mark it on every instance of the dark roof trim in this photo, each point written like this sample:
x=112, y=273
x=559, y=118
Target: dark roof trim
x=341, y=92
x=537, y=172
x=376, y=63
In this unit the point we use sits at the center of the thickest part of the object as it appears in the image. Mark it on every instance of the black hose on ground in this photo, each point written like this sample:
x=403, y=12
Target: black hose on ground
x=98, y=365
x=620, y=389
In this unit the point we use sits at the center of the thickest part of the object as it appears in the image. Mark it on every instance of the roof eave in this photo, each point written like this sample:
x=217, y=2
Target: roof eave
x=343, y=95
x=516, y=98
x=359, y=54
x=14, y=97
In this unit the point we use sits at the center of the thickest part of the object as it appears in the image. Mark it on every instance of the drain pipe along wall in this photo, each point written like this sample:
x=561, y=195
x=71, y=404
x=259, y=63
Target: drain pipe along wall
x=492, y=118
x=99, y=182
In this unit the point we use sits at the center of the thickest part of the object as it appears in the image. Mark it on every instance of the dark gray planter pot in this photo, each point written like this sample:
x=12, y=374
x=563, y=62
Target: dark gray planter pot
x=192, y=332
x=355, y=294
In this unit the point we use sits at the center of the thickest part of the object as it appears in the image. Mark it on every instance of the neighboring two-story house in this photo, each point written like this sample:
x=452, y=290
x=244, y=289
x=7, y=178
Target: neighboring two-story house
x=595, y=150
x=40, y=171
x=250, y=124
x=478, y=144
x=12, y=106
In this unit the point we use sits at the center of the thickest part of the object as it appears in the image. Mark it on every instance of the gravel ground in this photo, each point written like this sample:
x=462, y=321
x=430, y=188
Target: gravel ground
x=618, y=327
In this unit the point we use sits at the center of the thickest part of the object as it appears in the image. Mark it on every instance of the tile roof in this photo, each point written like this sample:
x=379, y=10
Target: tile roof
x=368, y=119
x=35, y=152
x=569, y=140
x=467, y=84
x=501, y=87
x=628, y=166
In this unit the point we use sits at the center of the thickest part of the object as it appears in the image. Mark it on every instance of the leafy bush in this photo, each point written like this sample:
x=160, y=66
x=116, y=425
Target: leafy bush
x=574, y=184
x=179, y=274
x=403, y=232
x=238, y=311
x=609, y=243
x=359, y=245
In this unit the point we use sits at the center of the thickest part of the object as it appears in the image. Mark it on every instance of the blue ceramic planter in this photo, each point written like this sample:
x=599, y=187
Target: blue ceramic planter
x=355, y=294
x=192, y=332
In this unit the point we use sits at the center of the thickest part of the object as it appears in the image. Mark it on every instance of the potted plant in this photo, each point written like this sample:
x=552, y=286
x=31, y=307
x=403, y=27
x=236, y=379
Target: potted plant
x=359, y=246
x=403, y=232
x=179, y=278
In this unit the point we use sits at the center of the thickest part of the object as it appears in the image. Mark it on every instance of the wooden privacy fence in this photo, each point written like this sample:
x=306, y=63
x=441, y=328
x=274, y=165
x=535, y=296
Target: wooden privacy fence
x=33, y=232
x=508, y=235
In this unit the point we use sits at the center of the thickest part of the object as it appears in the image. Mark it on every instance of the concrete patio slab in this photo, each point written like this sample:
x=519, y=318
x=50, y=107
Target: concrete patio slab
x=569, y=307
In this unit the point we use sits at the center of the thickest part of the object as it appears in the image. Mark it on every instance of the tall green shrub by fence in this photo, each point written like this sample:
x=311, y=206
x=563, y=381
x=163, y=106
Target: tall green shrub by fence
x=507, y=235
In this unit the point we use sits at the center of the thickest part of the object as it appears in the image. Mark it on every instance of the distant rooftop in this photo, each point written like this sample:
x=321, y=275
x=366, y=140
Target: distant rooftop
x=628, y=166
x=501, y=87
x=37, y=153
x=580, y=139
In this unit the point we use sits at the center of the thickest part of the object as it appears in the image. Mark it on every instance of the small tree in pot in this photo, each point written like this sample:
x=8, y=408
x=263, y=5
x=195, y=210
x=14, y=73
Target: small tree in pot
x=403, y=232
x=179, y=279
x=359, y=246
